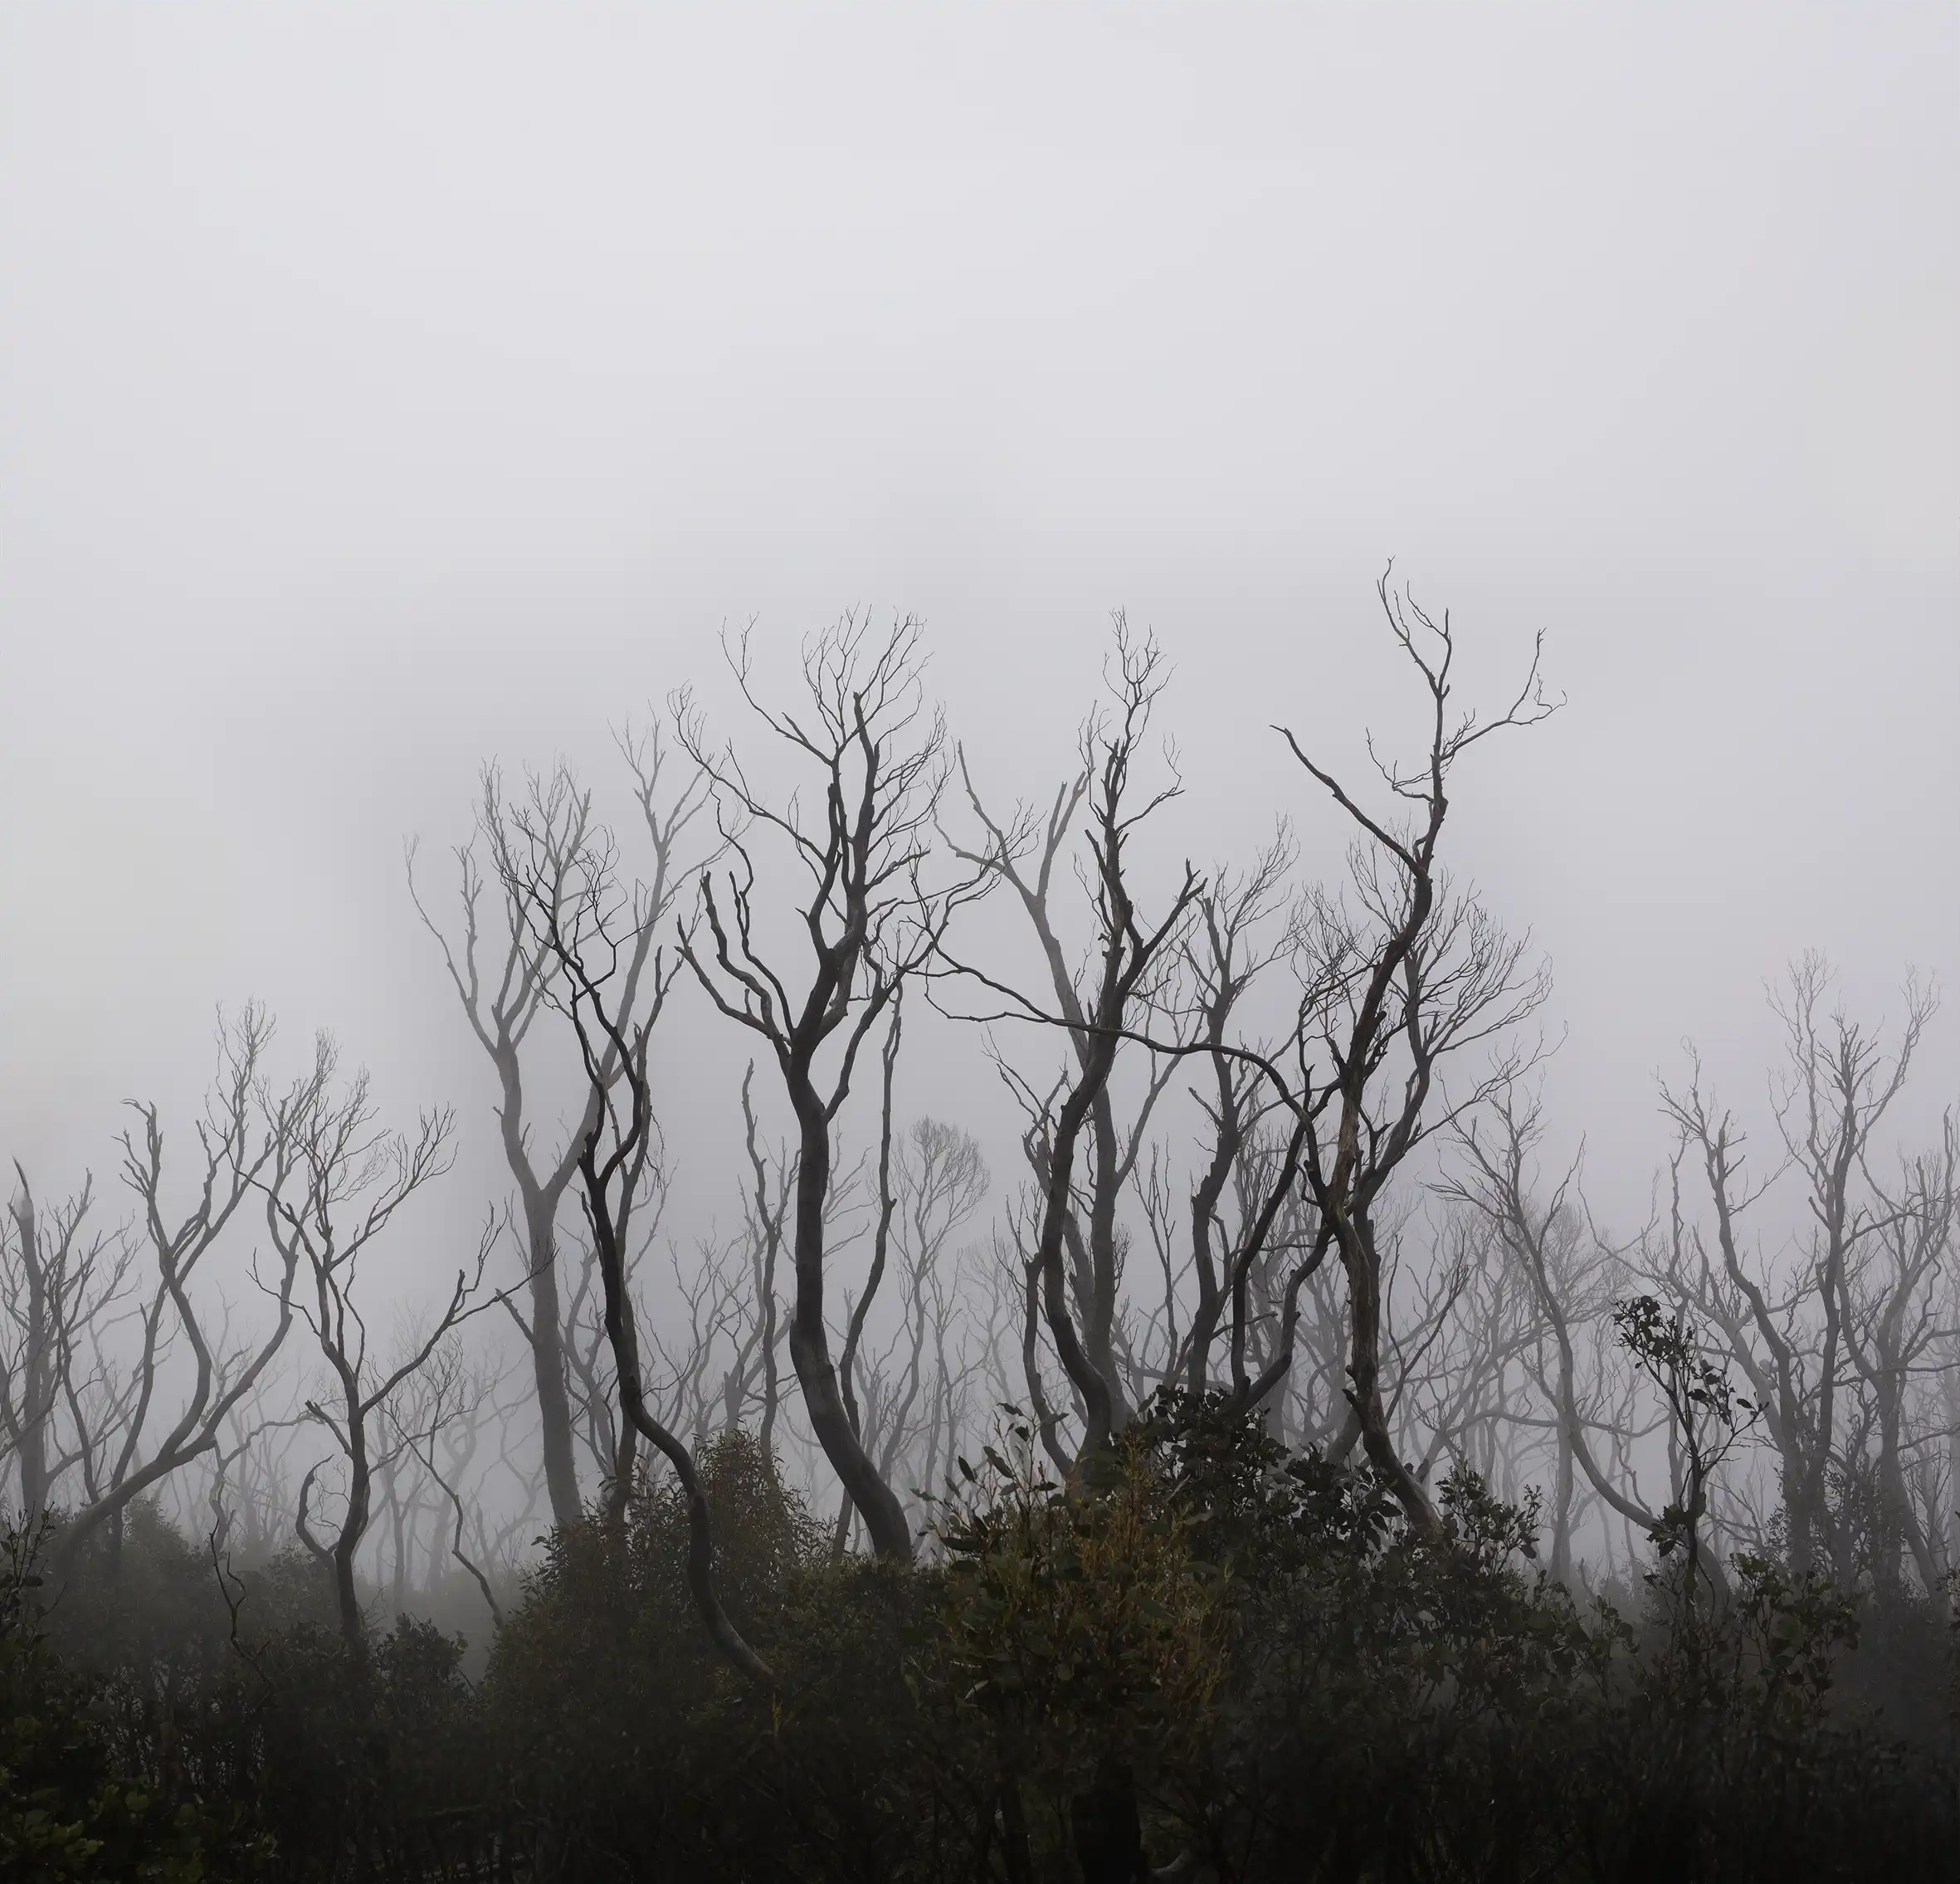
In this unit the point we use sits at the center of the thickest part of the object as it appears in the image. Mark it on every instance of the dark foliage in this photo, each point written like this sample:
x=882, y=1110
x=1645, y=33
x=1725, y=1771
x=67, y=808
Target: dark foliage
x=1204, y=1656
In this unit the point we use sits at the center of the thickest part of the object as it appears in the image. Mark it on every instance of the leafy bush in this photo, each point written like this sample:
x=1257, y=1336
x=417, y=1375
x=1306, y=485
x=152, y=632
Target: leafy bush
x=67, y=1811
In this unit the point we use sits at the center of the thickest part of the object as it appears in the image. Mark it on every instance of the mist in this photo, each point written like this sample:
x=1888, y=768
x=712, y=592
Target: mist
x=390, y=393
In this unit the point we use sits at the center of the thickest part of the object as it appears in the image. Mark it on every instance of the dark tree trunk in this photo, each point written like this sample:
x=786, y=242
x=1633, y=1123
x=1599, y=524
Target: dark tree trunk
x=1108, y=1832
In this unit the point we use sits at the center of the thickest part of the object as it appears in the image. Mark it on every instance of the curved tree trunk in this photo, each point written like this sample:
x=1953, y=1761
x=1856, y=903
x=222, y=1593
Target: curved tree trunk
x=809, y=1347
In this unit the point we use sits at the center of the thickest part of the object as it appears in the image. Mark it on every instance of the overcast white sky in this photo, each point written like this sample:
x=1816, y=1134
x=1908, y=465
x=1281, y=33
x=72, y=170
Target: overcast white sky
x=382, y=387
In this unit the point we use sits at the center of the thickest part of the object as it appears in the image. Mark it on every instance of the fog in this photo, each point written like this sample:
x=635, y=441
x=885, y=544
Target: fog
x=387, y=391
x=383, y=390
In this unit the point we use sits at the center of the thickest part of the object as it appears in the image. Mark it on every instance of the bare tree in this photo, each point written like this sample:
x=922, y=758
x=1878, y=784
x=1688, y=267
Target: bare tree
x=1891, y=1324
x=1459, y=1330
x=59, y=1282
x=886, y=1206
x=1788, y=1326
x=765, y=1216
x=440, y=1409
x=1395, y=977
x=1405, y=975
x=911, y=1391
x=546, y=847
x=871, y=920
x=1225, y=956
x=1840, y=1084
x=1569, y=1287
x=610, y=1441
x=593, y=936
x=1133, y=957
x=333, y=1190
x=243, y=1132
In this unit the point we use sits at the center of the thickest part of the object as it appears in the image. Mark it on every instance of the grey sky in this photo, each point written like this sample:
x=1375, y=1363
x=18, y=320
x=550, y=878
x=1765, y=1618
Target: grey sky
x=383, y=387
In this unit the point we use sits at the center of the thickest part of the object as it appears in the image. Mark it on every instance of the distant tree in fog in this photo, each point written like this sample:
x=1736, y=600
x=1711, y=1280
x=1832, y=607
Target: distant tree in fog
x=333, y=1189
x=543, y=848
x=61, y=1281
x=246, y=1132
x=1123, y=990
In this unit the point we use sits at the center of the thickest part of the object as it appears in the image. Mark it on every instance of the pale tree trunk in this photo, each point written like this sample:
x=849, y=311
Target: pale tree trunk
x=539, y=850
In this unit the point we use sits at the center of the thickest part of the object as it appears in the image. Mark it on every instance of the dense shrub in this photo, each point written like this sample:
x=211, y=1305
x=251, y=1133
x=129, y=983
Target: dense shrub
x=68, y=1809
x=1203, y=1655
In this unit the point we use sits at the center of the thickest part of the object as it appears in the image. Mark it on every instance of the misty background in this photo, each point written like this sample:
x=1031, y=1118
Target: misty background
x=384, y=390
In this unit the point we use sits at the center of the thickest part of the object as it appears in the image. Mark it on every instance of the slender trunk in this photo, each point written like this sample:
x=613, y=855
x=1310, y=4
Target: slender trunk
x=352, y=1528
x=1100, y=1320
x=354, y=1522
x=1561, y=1507
x=1047, y=1420
x=626, y=1458
x=548, y=1357
x=398, y=1540
x=1204, y=1208
x=771, y=1385
x=625, y=1339
x=1892, y=1486
x=37, y=1383
x=1953, y=1500
x=1362, y=1260
x=809, y=1343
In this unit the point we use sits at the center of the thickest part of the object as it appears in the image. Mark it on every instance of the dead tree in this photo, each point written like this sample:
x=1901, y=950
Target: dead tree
x=1224, y=954
x=765, y=1217
x=610, y=1441
x=332, y=1191
x=726, y=1365
x=440, y=1411
x=1891, y=1325
x=886, y=1206
x=729, y=1366
x=871, y=920
x=1497, y=1181
x=59, y=1282
x=1459, y=1325
x=936, y=1181
x=548, y=842
x=244, y=1132
x=1941, y=1480
x=495, y=1541
x=1402, y=974
x=1131, y=959
x=1269, y=1250
x=247, y=1496
x=752, y=1375
x=963, y=1348
x=1840, y=1086
x=591, y=935
x=1098, y=1008
x=1786, y=1325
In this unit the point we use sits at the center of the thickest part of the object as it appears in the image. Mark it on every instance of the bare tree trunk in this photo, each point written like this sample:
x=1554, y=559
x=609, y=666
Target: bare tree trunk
x=1130, y=960
x=545, y=1330
x=871, y=922
x=809, y=1344
x=1418, y=973
x=614, y=1159
x=566, y=852
x=35, y=1313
